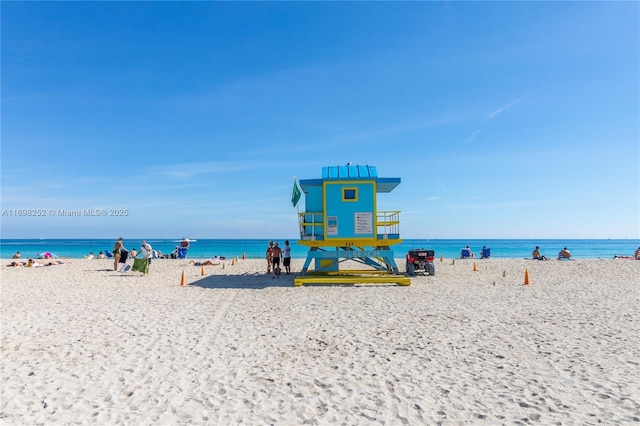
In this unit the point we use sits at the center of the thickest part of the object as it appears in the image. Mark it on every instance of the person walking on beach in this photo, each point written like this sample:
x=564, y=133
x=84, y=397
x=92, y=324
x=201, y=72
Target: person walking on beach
x=117, y=251
x=268, y=256
x=286, y=257
x=276, y=252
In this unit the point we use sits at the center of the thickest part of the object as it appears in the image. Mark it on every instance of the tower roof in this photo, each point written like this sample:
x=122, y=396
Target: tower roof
x=352, y=172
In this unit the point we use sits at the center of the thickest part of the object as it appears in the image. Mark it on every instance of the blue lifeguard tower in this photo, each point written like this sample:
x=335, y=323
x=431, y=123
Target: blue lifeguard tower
x=341, y=222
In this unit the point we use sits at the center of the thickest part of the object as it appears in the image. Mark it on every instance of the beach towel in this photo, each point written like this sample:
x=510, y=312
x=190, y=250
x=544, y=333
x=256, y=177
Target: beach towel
x=123, y=256
x=141, y=265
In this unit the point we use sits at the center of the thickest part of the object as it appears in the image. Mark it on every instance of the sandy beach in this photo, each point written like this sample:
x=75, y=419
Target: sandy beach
x=82, y=344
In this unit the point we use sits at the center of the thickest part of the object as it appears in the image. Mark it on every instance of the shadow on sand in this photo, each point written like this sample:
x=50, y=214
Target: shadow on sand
x=250, y=281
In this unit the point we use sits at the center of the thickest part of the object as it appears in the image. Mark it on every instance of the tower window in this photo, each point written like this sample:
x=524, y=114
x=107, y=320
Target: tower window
x=349, y=194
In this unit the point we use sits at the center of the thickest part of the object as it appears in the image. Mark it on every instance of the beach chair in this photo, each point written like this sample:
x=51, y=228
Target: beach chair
x=182, y=253
x=465, y=253
x=485, y=253
x=108, y=254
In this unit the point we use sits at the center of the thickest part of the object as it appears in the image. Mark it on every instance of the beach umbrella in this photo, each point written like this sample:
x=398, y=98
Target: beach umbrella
x=47, y=255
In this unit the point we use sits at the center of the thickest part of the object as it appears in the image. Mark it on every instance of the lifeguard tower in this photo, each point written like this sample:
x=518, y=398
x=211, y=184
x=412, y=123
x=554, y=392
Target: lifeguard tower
x=341, y=222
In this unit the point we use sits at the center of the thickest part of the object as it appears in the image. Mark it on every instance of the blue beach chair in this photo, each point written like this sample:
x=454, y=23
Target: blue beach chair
x=485, y=253
x=465, y=253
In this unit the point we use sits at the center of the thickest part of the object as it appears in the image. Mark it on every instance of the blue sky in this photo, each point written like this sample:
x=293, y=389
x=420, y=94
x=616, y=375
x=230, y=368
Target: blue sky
x=503, y=119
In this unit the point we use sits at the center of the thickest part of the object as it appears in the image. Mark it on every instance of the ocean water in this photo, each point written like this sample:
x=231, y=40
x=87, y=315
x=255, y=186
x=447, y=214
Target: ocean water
x=255, y=249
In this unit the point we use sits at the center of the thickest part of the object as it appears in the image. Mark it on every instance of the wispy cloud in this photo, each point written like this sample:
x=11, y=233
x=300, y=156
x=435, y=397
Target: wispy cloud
x=194, y=169
x=473, y=136
x=490, y=116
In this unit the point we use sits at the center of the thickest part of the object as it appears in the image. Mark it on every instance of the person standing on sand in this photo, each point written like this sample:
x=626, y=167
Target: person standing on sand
x=286, y=257
x=185, y=243
x=276, y=252
x=268, y=256
x=117, y=248
x=147, y=252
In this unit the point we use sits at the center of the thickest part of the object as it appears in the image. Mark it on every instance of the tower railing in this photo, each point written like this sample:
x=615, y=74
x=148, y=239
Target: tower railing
x=312, y=225
x=388, y=224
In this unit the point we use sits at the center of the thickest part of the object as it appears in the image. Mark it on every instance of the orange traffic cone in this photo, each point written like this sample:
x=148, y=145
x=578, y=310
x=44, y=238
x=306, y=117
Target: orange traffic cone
x=243, y=256
x=182, y=279
x=233, y=261
x=526, y=277
x=202, y=271
x=441, y=258
x=474, y=266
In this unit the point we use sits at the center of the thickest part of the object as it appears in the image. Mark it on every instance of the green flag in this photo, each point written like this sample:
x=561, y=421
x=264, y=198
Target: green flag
x=295, y=197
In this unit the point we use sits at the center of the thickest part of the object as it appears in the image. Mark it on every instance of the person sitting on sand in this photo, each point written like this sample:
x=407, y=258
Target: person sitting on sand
x=636, y=255
x=564, y=254
x=101, y=256
x=32, y=264
x=17, y=255
x=89, y=256
x=536, y=254
x=208, y=262
x=15, y=263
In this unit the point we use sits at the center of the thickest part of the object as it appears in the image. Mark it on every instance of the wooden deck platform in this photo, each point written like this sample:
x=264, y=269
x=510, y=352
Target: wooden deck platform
x=350, y=279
